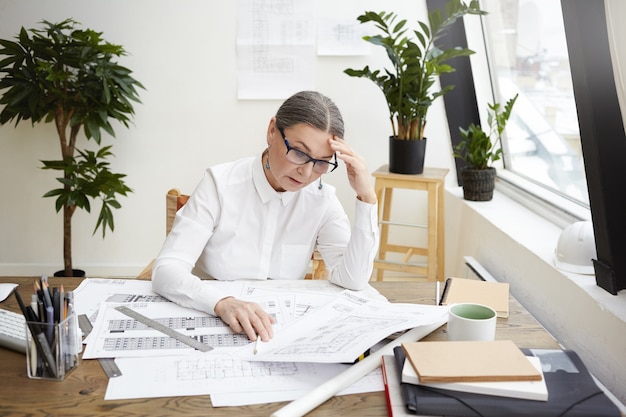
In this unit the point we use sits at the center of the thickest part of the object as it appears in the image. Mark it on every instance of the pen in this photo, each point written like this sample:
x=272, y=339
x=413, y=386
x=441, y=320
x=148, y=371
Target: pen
x=56, y=304
x=41, y=317
x=444, y=294
x=70, y=297
x=50, y=324
x=63, y=304
x=47, y=301
x=40, y=297
x=40, y=311
x=33, y=348
x=256, y=345
x=33, y=357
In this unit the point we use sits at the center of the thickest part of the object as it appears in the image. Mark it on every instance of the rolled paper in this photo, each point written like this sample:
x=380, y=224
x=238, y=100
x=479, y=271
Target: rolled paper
x=303, y=405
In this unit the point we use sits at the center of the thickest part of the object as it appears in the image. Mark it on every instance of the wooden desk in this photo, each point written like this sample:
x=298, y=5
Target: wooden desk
x=82, y=392
x=431, y=181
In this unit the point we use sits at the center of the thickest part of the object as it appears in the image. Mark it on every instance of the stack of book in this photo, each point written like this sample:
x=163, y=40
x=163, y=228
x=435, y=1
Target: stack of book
x=455, y=379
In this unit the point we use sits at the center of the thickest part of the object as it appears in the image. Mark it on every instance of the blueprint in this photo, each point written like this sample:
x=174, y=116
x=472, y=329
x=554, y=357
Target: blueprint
x=115, y=335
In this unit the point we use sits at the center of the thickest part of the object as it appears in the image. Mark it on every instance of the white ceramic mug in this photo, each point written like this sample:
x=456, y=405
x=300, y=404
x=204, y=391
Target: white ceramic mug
x=469, y=321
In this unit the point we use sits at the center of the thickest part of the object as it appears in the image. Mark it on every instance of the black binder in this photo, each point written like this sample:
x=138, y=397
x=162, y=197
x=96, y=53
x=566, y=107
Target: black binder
x=572, y=392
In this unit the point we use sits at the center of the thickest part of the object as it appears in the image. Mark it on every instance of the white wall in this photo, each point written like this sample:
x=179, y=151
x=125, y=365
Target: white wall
x=184, y=53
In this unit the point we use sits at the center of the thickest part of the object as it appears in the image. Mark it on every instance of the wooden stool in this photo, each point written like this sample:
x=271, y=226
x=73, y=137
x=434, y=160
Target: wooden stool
x=431, y=181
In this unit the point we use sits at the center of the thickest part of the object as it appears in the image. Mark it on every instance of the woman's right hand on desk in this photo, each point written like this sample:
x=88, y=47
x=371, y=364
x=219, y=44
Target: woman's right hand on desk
x=245, y=316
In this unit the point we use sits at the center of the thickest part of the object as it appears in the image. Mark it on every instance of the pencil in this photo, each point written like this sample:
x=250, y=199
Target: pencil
x=45, y=288
x=63, y=304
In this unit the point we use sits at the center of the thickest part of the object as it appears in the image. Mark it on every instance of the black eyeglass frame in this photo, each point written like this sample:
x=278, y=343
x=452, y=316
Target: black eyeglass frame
x=310, y=159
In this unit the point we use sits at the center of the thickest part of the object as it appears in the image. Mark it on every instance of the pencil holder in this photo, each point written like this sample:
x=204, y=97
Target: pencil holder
x=52, y=349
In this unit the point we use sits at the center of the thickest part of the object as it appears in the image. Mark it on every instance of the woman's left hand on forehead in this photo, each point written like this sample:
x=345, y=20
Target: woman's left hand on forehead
x=356, y=168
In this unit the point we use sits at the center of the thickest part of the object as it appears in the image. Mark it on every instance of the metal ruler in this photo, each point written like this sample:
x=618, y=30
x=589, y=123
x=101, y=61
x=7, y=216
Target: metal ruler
x=190, y=341
x=109, y=366
x=84, y=324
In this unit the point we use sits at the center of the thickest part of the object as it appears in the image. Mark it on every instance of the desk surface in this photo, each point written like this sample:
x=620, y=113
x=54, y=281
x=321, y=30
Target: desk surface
x=82, y=392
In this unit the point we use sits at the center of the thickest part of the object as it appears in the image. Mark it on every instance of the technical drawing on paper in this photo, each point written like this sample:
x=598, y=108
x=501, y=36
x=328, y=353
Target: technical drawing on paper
x=129, y=343
x=222, y=368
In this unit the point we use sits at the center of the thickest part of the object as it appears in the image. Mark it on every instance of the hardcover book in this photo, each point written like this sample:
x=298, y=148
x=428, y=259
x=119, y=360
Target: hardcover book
x=391, y=379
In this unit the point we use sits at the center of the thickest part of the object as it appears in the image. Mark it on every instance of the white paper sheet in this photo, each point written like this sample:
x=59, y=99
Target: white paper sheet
x=6, y=290
x=275, y=48
x=343, y=37
x=371, y=382
x=93, y=291
x=229, y=380
x=342, y=330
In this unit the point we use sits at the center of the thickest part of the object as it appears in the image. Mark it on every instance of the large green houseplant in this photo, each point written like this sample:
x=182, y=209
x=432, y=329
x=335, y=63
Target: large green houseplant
x=479, y=148
x=416, y=62
x=63, y=74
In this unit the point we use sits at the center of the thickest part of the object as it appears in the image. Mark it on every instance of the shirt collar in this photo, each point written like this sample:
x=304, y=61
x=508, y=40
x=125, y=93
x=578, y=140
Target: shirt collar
x=264, y=189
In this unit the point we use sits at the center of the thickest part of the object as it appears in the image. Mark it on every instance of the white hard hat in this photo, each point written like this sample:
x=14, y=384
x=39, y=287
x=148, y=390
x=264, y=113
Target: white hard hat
x=576, y=248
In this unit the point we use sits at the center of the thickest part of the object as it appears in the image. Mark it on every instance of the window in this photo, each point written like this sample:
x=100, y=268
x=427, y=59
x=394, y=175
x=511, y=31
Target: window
x=532, y=45
x=527, y=52
x=588, y=31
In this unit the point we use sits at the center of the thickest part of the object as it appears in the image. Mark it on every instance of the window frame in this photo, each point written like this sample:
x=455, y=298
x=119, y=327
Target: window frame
x=602, y=134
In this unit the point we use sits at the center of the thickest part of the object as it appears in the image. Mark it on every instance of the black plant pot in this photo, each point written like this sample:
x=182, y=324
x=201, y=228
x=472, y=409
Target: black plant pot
x=76, y=273
x=478, y=184
x=406, y=156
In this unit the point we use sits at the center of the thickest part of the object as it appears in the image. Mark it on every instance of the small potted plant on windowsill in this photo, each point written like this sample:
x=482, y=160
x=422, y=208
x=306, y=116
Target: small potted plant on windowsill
x=408, y=85
x=479, y=149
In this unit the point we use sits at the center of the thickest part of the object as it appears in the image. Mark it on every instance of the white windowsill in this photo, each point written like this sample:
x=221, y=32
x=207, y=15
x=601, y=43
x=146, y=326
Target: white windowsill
x=525, y=226
x=516, y=245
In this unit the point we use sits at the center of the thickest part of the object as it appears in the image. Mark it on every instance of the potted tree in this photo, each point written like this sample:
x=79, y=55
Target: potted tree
x=408, y=86
x=479, y=149
x=69, y=75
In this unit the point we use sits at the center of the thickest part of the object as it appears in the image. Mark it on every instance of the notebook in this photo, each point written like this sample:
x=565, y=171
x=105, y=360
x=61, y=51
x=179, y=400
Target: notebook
x=529, y=390
x=470, y=361
x=463, y=290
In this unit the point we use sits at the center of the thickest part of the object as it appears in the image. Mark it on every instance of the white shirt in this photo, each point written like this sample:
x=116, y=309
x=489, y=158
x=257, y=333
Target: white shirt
x=236, y=226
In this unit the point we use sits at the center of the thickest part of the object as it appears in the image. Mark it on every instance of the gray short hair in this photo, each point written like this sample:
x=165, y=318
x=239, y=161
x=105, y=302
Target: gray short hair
x=312, y=108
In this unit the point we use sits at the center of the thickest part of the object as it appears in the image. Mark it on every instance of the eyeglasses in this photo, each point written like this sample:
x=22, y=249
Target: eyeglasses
x=298, y=157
